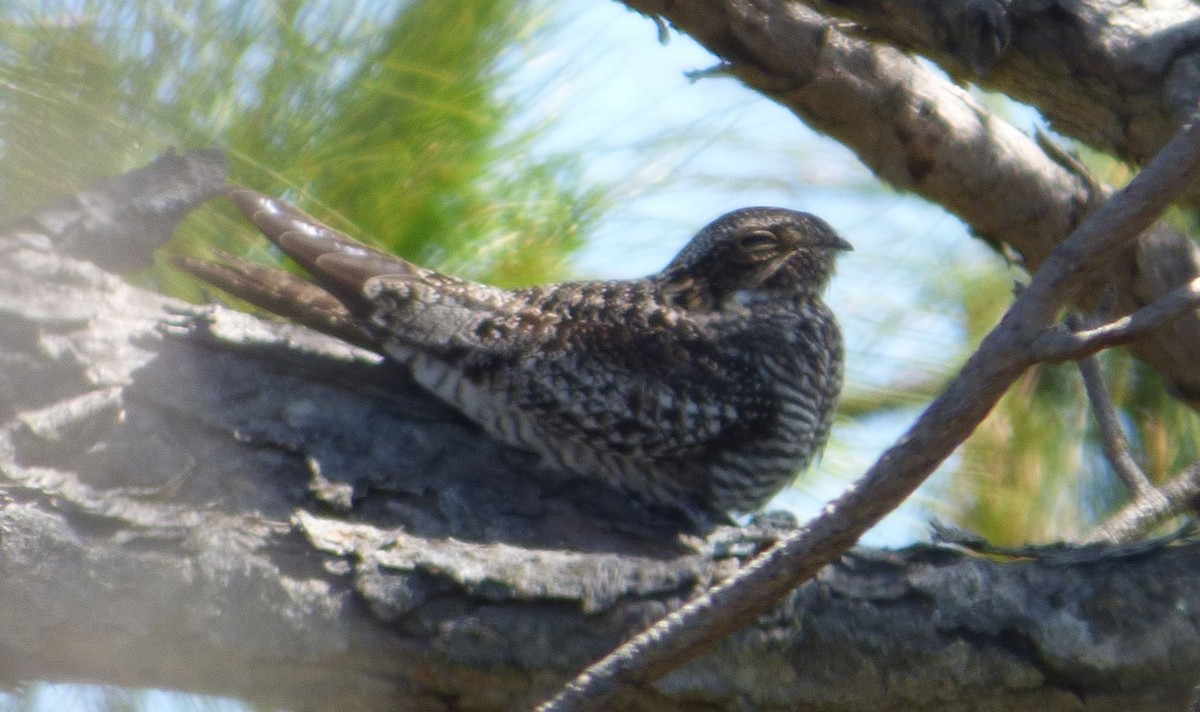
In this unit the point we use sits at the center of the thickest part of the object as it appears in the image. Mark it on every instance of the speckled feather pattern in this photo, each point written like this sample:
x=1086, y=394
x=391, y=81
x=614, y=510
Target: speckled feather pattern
x=706, y=386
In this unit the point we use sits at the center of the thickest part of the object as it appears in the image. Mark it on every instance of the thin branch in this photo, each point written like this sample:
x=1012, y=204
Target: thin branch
x=1151, y=509
x=951, y=417
x=1116, y=447
x=1058, y=344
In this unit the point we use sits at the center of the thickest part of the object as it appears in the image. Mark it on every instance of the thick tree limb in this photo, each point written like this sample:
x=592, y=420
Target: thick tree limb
x=250, y=509
x=1118, y=76
x=1004, y=353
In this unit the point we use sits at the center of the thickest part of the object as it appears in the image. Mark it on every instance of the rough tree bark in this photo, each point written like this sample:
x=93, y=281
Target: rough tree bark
x=210, y=502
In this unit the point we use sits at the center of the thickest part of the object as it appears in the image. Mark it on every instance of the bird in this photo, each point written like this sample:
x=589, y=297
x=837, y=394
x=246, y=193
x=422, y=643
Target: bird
x=705, y=387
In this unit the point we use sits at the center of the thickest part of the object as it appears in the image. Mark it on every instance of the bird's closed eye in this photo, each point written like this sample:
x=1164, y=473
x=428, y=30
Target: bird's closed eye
x=758, y=241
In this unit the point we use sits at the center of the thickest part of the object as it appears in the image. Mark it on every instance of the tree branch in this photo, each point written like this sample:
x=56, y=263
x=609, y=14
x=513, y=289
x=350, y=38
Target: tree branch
x=1116, y=448
x=1120, y=78
x=1149, y=509
x=1058, y=344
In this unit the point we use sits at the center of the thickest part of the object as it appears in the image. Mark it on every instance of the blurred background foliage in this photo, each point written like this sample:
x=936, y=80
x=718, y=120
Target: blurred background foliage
x=385, y=118
x=396, y=121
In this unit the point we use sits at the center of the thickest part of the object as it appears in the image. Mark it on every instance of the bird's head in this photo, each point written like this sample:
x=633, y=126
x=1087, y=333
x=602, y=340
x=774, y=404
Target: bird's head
x=754, y=251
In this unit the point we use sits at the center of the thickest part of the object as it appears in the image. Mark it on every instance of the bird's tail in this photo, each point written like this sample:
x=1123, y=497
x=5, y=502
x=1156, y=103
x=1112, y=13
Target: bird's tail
x=281, y=293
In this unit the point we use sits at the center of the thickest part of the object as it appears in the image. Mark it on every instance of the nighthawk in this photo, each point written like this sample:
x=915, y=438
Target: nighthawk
x=705, y=387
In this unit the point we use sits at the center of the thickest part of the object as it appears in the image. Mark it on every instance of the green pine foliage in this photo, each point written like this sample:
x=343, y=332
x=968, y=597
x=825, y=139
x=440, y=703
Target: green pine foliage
x=390, y=111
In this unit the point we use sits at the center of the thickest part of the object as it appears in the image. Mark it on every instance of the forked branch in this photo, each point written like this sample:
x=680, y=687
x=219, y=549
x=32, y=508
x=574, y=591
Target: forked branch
x=1059, y=344
x=1147, y=510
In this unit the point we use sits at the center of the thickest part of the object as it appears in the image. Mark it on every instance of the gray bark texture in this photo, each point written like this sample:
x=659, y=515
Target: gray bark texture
x=201, y=500
x=1121, y=77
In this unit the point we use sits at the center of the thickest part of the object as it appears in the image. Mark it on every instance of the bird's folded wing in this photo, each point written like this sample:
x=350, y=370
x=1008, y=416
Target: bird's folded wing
x=661, y=397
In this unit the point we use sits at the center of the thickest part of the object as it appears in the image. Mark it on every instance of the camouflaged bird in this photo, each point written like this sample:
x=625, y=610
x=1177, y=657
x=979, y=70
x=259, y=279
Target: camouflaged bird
x=706, y=386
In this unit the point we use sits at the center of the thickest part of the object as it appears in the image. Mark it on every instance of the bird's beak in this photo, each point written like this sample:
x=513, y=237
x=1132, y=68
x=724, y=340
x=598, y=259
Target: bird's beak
x=840, y=244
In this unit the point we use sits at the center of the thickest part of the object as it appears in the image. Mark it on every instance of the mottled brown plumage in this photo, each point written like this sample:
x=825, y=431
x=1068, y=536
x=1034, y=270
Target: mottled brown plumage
x=705, y=386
